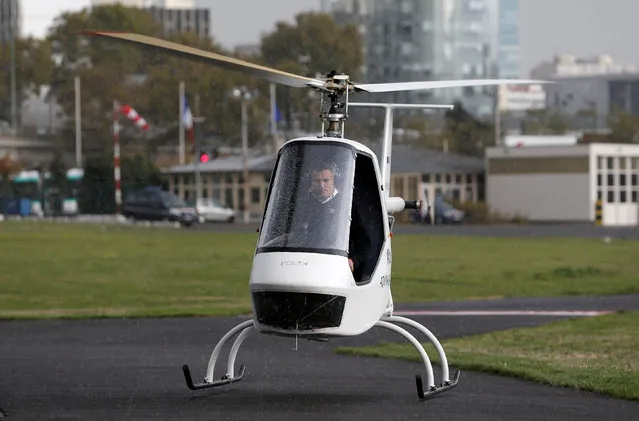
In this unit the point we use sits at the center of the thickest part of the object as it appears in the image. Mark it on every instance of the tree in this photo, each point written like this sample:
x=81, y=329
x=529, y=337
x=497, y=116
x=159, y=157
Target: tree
x=106, y=68
x=544, y=122
x=97, y=192
x=465, y=134
x=211, y=85
x=315, y=43
x=34, y=66
x=624, y=127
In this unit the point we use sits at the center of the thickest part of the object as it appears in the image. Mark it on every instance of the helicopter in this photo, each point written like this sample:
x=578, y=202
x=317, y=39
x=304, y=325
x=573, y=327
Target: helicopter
x=326, y=274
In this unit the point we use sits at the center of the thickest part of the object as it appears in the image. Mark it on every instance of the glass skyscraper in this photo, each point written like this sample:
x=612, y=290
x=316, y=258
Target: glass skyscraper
x=408, y=40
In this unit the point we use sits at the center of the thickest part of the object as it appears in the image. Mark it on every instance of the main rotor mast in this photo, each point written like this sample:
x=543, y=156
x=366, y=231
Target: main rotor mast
x=334, y=94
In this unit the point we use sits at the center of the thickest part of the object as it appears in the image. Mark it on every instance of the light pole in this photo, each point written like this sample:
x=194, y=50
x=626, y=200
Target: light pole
x=12, y=71
x=198, y=123
x=244, y=96
x=78, y=124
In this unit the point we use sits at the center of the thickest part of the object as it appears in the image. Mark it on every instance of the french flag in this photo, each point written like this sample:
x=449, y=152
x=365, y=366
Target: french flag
x=187, y=119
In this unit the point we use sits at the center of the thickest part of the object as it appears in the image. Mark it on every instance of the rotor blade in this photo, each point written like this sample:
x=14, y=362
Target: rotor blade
x=263, y=72
x=439, y=84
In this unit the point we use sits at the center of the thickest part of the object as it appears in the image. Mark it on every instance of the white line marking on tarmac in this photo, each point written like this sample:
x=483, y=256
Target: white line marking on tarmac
x=563, y=313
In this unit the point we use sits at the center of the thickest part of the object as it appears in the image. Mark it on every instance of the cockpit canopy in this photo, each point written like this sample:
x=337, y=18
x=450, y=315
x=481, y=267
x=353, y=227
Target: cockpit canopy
x=309, y=202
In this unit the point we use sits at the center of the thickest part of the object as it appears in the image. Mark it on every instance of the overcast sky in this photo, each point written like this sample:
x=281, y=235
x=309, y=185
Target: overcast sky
x=548, y=27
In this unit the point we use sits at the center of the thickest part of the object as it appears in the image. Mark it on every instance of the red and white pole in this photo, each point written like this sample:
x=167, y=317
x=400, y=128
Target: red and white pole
x=116, y=157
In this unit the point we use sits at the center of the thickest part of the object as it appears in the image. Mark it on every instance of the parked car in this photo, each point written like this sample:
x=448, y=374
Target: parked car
x=443, y=212
x=212, y=210
x=154, y=204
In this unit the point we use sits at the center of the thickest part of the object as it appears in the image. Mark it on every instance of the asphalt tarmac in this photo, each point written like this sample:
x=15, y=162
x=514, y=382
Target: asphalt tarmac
x=131, y=369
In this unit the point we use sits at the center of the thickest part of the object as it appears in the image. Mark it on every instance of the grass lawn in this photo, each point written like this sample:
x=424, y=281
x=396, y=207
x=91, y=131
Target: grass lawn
x=73, y=270
x=597, y=354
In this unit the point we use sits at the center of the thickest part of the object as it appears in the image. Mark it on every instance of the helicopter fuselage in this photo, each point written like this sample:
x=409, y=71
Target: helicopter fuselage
x=300, y=282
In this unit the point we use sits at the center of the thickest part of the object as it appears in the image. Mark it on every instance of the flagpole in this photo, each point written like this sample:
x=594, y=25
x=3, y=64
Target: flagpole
x=273, y=101
x=181, y=124
x=116, y=158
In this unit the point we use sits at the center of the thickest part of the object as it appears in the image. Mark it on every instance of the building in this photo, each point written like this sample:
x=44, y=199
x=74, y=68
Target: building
x=566, y=65
x=25, y=152
x=415, y=173
x=166, y=4
x=508, y=39
x=518, y=98
x=127, y=3
x=411, y=40
x=175, y=21
x=10, y=20
x=175, y=16
x=590, y=99
x=564, y=183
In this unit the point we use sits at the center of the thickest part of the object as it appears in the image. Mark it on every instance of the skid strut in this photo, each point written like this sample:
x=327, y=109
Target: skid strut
x=244, y=329
x=388, y=322
x=446, y=384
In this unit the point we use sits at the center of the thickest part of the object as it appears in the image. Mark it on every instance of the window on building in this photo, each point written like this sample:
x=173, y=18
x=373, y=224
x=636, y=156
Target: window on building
x=240, y=198
x=611, y=196
x=425, y=178
x=255, y=195
x=228, y=197
x=623, y=198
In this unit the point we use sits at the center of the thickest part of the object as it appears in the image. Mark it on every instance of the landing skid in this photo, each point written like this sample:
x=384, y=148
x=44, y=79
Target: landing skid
x=386, y=322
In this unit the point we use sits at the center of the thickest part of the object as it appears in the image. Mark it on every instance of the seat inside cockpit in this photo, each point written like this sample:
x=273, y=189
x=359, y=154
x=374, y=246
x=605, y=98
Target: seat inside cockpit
x=367, y=222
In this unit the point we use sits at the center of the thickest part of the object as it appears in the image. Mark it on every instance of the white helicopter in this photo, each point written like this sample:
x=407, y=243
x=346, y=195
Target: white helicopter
x=322, y=264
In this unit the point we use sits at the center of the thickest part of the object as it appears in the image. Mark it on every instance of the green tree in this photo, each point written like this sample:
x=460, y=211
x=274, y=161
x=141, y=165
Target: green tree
x=34, y=67
x=107, y=69
x=211, y=86
x=545, y=122
x=624, y=127
x=465, y=134
x=97, y=192
x=314, y=44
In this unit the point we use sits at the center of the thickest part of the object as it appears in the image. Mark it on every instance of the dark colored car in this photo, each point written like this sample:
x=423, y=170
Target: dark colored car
x=444, y=213
x=155, y=204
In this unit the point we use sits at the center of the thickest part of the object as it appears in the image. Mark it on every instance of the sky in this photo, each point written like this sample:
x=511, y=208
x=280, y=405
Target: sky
x=548, y=27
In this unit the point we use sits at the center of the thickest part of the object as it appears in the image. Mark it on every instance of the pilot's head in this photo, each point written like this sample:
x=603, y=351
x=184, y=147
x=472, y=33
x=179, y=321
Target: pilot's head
x=323, y=180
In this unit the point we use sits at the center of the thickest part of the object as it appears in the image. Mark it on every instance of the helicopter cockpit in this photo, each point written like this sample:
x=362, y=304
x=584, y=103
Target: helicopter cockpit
x=309, y=204
x=324, y=199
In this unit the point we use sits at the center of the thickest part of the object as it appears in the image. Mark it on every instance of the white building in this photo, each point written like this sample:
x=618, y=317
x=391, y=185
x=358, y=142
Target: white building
x=521, y=97
x=563, y=183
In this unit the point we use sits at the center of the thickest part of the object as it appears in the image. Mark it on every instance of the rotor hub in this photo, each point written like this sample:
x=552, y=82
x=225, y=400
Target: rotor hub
x=335, y=94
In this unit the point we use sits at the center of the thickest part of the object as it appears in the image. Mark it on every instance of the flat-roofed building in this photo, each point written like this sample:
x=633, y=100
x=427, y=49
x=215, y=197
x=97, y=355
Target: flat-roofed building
x=564, y=183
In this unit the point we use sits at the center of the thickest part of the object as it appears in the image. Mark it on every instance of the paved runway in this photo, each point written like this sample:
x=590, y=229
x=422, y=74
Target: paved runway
x=130, y=369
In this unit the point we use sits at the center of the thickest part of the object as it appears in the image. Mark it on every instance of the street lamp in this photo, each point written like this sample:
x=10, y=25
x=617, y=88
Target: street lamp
x=244, y=96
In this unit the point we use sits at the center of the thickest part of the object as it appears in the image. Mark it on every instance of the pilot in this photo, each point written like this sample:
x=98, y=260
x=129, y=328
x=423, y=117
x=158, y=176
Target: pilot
x=326, y=205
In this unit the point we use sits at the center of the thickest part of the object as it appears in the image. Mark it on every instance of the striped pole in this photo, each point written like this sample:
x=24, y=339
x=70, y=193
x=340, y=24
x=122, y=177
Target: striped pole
x=599, y=213
x=116, y=157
